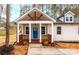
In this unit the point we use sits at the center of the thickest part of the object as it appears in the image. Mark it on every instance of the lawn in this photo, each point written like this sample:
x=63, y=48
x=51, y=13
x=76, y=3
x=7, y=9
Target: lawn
x=68, y=45
x=19, y=49
x=12, y=36
x=3, y=32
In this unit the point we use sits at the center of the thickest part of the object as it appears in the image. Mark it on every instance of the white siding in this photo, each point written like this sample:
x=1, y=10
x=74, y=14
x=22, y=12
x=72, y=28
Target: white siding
x=68, y=33
x=49, y=29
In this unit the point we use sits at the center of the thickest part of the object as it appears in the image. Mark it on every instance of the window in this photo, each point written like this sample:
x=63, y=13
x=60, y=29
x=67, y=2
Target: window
x=27, y=30
x=58, y=30
x=70, y=18
x=66, y=18
x=43, y=30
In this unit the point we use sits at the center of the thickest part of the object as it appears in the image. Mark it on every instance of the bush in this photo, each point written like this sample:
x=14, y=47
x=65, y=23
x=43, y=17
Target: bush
x=5, y=50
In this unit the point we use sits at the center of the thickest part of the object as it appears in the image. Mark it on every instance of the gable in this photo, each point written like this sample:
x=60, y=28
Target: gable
x=70, y=13
x=35, y=15
x=68, y=17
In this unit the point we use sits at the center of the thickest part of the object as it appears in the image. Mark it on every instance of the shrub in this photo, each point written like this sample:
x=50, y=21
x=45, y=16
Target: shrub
x=5, y=50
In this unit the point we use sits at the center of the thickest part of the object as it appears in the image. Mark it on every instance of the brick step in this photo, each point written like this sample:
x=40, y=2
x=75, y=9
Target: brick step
x=35, y=41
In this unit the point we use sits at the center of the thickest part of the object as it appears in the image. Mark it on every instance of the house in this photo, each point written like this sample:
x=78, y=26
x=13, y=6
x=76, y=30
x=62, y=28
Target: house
x=36, y=25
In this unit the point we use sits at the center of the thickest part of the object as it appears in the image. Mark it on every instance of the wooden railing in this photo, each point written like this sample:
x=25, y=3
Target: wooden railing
x=24, y=37
x=46, y=37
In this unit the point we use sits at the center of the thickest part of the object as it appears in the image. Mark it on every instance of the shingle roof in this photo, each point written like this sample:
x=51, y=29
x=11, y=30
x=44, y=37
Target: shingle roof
x=76, y=18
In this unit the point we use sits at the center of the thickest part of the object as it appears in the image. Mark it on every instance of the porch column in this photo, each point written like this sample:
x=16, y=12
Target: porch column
x=52, y=33
x=29, y=32
x=22, y=28
x=40, y=32
x=17, y=33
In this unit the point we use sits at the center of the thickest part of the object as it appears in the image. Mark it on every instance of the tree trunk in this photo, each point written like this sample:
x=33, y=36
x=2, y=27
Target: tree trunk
x=0, y=13
x=7, y=24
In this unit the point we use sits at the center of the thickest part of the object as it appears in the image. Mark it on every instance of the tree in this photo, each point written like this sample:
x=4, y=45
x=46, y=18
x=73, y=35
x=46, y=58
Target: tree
x=34, y=5
x=7, y=24
x=0, y=13
x=55, y=10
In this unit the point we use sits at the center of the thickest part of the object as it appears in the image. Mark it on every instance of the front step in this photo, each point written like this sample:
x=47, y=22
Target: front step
x=35, y=45
x=35, y=41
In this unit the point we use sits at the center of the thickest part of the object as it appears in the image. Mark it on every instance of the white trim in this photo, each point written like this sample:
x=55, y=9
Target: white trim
x=34, y=10
x=36, y=22
x=17, y=33
x=40, y=32
x=29, y=32
x=70, y=13
x=22, y=29
x=52, y=40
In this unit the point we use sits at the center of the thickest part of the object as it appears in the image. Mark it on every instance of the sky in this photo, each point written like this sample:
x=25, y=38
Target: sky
x=15, y=11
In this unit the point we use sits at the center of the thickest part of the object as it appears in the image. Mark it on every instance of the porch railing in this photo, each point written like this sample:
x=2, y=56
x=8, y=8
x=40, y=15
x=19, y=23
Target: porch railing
x=23, y=37
x=46, y=37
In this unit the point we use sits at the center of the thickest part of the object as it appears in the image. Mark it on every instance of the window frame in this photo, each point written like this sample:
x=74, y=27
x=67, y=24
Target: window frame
x=44, y=30
x=27, y=30
x=67, y=19
x=71, y=18
x=59, y=30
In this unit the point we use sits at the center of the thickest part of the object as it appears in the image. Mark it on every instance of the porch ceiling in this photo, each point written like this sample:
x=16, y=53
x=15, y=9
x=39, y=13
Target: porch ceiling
x=35, y=15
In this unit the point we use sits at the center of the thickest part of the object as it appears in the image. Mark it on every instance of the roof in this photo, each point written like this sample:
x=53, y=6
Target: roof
x=76, y=19
x=31, y=14
x=70, y=13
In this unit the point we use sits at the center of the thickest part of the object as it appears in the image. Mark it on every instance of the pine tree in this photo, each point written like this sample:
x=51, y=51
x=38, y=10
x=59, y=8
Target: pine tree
x=7, y=24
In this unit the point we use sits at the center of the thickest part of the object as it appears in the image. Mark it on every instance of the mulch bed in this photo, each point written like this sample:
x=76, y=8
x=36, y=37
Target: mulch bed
x=68, y=45
x=20, y=50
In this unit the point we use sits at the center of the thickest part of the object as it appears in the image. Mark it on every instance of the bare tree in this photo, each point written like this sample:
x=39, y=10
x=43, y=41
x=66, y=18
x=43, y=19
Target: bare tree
x=42, y=5
x=34, y=5
x=7, y=24
x=0, y=13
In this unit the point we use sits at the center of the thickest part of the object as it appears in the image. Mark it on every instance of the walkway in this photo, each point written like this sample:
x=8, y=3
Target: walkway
x=38, y=49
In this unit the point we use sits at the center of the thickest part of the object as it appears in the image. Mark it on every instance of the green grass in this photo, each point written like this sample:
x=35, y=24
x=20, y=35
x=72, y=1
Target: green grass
x=3, y=32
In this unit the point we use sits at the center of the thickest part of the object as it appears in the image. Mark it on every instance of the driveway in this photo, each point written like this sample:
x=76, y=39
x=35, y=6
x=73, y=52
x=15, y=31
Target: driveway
x=70, y=51
x=38, y=49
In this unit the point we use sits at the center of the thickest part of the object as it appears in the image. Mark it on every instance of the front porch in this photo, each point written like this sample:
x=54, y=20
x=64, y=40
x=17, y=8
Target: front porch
x=35, y=26
x=36, y=34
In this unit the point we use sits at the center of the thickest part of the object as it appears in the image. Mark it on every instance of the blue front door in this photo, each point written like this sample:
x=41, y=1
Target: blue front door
x=35, y=33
